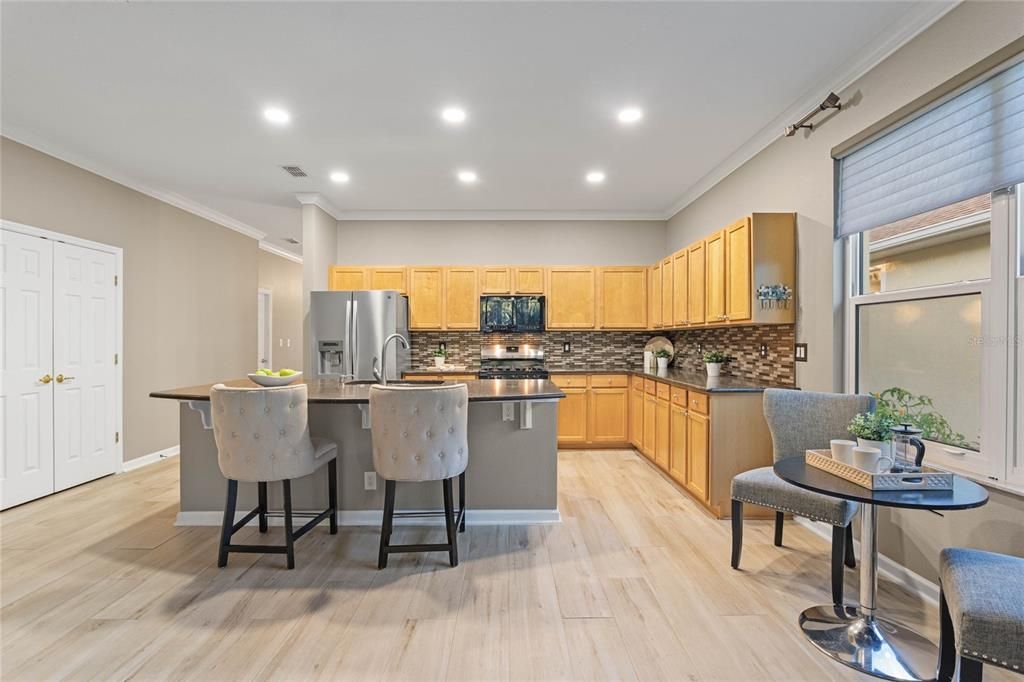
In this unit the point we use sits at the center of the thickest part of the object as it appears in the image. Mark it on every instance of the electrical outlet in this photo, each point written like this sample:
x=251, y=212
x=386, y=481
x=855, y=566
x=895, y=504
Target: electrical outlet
x=800, y=352
x=700, y=348
x=566, y=346
x=764, y=350
x=369, y=480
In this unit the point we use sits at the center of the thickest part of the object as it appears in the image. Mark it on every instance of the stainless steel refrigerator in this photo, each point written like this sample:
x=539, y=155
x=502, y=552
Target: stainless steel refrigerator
x=348, y=329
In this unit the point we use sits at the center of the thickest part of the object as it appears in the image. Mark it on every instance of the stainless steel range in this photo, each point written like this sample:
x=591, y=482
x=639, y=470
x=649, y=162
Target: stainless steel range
x=512, y=362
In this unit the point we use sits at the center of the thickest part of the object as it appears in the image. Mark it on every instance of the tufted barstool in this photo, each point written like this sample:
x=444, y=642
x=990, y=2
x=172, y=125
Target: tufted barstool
x=420, y=433
x=262, y=435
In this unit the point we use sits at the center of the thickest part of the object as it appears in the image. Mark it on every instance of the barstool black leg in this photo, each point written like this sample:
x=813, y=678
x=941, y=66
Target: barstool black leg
x=228, y=524
x=850, y=560
x=385, y=524
x=289, y=540
x=332, y=493
x=449, y=518
x=838, y=554
x=737, y=533
x=262, y=488
x=462, y=501
x=780, y=517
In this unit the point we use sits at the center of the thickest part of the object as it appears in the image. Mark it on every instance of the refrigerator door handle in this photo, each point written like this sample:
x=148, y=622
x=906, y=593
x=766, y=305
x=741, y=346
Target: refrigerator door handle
x=355, y=334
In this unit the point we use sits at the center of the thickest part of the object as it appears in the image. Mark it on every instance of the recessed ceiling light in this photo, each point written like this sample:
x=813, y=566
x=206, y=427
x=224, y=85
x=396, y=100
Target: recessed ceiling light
x=595, y=177
x=277, y=115
x=454, y=115
x=339, y=177
x=467, y=177
x=631, y=115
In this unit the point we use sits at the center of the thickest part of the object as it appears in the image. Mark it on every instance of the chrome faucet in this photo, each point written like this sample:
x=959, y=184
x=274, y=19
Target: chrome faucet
x=382, y=376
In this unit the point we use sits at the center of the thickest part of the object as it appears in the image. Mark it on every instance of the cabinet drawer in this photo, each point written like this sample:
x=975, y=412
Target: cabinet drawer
x=651, y=386
x=423, y=377
x=679, y=396
x=663, y=391
x=458, y=377
x=698, y=402
x=609, y=381
x=569, y=380
x=638, y=383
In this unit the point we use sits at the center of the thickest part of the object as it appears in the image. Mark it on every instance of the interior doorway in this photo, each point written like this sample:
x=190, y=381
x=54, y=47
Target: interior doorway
x=265, y=323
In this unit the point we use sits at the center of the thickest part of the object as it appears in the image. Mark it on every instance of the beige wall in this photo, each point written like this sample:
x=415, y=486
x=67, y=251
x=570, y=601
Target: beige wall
x=189, y=285
x=284, y=279
x=795, y=174
x=517, y=242
x=319, y=246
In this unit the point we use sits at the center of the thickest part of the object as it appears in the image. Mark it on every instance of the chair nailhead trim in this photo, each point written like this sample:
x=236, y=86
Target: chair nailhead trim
x=975, y=654
x=785, y=509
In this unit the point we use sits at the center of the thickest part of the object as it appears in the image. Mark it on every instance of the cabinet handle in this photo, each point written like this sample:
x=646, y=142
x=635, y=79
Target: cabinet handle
x=61, y=378
x=45, y=379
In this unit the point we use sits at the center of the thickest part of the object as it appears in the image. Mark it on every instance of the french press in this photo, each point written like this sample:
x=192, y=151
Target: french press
x=905, y=438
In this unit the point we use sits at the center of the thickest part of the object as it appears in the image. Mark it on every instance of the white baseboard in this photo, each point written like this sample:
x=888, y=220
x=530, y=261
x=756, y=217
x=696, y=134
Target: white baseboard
x=151, y=458
x=892, y=570
x=372, y=517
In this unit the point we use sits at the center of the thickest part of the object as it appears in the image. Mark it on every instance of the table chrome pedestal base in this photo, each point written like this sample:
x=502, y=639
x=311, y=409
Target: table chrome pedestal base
x=872, y=645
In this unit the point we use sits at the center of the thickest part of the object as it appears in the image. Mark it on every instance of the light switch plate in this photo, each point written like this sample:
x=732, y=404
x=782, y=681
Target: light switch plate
x=369, y=480
x=763, y=350
x=800, y=352
x=566, y=347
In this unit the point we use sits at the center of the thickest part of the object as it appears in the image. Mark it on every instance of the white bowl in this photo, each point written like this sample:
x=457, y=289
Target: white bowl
x=264, y=380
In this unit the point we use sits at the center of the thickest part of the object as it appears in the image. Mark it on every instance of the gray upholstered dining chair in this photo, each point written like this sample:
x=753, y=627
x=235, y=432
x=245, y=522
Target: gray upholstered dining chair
x=981, y=612
x=421, y=433
x=263, y=436
x=799, y=421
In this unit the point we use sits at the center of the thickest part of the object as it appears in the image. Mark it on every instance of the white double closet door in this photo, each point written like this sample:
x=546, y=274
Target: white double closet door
x=58, y=392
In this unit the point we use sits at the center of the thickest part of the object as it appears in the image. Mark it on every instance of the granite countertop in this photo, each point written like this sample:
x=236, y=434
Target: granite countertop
x=468, y=369
x=697, y=381
x=330, y=391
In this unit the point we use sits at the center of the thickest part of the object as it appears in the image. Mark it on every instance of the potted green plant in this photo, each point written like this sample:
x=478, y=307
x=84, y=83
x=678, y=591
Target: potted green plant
x=713, y=360
x=663, y=356
x=439, y=357
x=874, y=429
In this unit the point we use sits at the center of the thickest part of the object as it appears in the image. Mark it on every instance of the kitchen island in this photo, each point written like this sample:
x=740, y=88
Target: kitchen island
x=513, y=457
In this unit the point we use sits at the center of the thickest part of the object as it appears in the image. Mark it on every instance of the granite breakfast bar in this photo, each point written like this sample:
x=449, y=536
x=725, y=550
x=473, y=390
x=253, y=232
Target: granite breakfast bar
x=511, y=478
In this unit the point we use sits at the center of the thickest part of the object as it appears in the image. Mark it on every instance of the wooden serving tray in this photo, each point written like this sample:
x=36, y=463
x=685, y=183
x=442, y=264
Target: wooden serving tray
x=926, y=479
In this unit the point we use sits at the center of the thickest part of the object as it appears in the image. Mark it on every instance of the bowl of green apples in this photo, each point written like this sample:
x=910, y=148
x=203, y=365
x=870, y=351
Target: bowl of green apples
x=266, y=377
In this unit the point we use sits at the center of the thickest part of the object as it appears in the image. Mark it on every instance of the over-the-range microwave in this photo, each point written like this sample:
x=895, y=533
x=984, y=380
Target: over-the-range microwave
x=511, y=313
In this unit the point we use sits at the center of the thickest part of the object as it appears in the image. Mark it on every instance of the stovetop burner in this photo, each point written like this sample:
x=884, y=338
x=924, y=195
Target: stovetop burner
x=512, y=362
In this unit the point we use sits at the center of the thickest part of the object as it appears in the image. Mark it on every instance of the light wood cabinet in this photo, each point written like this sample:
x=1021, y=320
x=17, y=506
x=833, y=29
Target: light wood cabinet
x=622, y=302
x=654, y=297
x=680, y=288
x=426, y=297
x=608, y=413
x=605, y=414
x=667, y=279
x=345, y=278
x=495, y=280
x=572, y=298
x=461, y=298
x=677, y=443
x=695, y=311
x=662, y=436
x=393, y=278
x=572, y=416
x=636, y=417
x=737, y=272
x=528, y=281
x=698, y=451
x=649, y=443
x=714, y=277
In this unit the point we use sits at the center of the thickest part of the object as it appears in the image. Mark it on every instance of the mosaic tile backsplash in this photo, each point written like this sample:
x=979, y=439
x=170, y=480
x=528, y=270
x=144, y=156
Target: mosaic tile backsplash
x=624, y=350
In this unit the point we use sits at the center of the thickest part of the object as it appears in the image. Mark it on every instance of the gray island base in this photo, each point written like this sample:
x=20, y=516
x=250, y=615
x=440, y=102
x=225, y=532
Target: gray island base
x=511, y=477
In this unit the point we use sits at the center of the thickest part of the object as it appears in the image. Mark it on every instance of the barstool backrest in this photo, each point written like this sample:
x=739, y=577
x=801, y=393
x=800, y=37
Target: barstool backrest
x=262, y=434
x=420, y=433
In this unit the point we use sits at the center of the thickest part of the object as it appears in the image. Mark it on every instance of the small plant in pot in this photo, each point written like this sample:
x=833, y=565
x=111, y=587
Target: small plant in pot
x=663, y=357
x=439, y=357
x=874, y=429
x=713, y=360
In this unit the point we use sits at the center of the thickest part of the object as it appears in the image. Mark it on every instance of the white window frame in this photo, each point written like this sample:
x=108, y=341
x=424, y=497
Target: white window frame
x=1002, y=332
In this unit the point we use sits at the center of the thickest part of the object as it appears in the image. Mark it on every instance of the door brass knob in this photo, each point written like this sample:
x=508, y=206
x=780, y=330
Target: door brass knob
x=46, y=378
x=60, y=378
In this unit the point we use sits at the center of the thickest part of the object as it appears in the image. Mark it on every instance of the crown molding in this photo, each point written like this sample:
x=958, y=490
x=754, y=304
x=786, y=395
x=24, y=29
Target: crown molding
x=317, y=199
x=871, y=56
x=278, y=251
x=178, y=201
x=506, y=215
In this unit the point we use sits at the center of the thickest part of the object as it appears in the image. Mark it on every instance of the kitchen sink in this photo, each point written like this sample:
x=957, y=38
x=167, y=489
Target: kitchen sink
x=370, y=382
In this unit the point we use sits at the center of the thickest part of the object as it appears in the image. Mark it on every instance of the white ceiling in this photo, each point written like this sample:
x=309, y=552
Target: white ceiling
x=168, y=98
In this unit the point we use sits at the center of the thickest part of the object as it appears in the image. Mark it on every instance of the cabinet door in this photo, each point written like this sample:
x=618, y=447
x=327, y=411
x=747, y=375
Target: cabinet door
x=426, y=300
x=737, y=271
x=714, y=292
x=608, y=413
x=461, y=298
x=695, y=283
x=677, y=444
x=528, y=281
x=495, y=280
x=680, y=288
x=572, y=416
x=650, y=425
x=654, y=296
x=698, y=453
x=666, y=293
x=661, y=434
x=636, y=418
x=623, y=297
x=344, y=278
x=572, y=298
x=388, y=278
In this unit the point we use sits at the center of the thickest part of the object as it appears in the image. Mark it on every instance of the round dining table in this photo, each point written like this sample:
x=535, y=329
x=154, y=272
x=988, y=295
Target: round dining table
x=856, y=635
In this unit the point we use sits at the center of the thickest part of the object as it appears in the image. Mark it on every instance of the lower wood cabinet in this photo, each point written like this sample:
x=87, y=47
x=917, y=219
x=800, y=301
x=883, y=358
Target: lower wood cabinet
x=697, y=453
x=636, y=416
x=662, y=437
x=647, y=446
x=572, y=417
x=677, y=443
x=608, y=413
x=595, y=411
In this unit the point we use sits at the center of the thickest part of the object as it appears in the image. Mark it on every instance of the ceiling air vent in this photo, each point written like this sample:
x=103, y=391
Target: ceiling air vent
x=291, y=241
x=294, y=171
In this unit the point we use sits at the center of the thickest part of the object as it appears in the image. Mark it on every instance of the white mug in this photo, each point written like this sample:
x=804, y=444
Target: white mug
x=842, y=450
x=870, y=459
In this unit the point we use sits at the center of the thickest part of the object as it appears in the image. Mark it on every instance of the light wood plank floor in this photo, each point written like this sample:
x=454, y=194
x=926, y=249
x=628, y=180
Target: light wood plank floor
x=97, y=583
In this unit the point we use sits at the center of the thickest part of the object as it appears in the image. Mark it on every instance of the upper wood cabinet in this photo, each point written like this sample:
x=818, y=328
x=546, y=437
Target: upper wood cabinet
x=426, y=297
x=345, y=278
x=461, y=298
x=495, y=280
x=737, y=271
x=680, y=288
x=667, y=278
x=654, y=296
x=528, y=280
x=695, y=310
x=572, y=298
x=388, y=278
x=622, y=297
x=714, y=277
